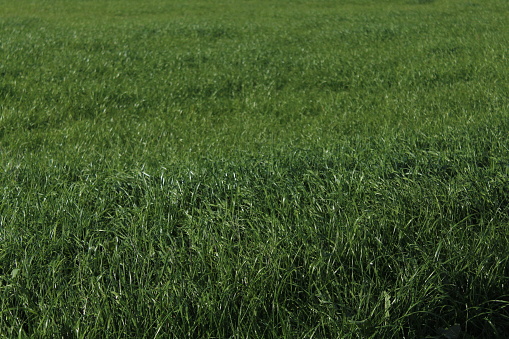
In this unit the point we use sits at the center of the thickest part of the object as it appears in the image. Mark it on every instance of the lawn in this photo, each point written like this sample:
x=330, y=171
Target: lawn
x=254, y=168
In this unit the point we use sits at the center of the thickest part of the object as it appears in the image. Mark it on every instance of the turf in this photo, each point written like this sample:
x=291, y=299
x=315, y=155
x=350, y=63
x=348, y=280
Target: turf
x=254, y=168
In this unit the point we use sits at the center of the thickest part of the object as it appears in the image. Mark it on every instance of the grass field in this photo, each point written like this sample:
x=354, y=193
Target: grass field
x=254, y=168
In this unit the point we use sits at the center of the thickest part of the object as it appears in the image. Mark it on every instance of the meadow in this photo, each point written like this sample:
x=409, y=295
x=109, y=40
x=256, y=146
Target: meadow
x=254, y=168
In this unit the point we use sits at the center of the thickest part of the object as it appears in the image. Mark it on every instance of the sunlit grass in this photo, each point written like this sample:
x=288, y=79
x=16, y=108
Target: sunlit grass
x=254, y=169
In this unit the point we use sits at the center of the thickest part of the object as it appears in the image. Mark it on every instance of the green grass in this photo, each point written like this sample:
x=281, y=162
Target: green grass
x=327, y=169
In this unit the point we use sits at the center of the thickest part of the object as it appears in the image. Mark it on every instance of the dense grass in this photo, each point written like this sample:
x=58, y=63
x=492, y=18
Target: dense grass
x=254, y=168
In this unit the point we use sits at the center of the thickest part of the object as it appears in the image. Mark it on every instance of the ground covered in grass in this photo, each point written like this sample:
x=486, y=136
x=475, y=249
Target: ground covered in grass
x=254, y=169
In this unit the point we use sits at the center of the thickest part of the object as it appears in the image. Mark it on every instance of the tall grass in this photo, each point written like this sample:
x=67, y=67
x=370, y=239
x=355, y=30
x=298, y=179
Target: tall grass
x=254, y=169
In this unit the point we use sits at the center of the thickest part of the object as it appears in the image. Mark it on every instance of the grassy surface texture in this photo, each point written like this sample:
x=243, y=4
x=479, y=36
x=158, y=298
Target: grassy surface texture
x=292, y=169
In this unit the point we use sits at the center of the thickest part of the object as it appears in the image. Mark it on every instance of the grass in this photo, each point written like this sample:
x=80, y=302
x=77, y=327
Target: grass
x=254, y=169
